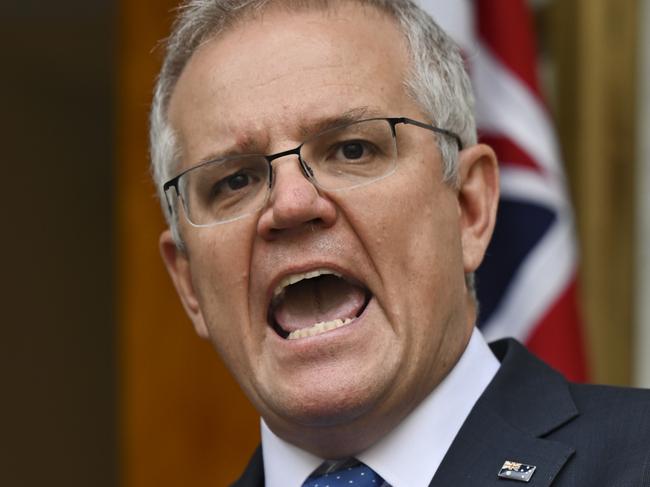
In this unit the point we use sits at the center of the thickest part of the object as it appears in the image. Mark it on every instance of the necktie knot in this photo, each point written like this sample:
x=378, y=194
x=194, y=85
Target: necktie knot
x=356, y=475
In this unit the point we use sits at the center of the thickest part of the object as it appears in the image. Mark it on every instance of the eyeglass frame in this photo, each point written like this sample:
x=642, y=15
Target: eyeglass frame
x=304, y=167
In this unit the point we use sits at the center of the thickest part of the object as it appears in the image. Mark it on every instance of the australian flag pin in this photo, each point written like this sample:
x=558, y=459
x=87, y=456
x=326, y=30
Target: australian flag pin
x=517, y=471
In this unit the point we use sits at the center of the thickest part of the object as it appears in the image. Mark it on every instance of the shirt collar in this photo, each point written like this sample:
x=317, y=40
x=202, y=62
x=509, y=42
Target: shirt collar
x=411, y=453
x=285, y=465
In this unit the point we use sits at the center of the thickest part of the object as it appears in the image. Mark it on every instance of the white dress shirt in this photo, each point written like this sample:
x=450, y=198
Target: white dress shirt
x=412, y=452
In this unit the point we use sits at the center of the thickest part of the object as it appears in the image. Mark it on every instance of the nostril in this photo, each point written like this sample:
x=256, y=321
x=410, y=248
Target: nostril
x=312, y=226
x=315, y=224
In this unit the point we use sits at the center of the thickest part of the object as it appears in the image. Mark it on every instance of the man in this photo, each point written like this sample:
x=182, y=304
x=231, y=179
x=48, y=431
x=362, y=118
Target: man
x=328, y=204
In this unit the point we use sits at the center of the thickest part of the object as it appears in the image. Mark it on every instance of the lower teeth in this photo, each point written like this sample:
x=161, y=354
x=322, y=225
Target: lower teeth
x=318, y=328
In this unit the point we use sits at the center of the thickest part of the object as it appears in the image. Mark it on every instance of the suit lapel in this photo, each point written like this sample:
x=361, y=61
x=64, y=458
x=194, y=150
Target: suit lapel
x=525, y=401
x=253, y=476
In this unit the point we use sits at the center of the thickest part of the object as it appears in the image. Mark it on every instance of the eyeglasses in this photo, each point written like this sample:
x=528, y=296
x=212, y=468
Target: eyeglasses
x=344, y=157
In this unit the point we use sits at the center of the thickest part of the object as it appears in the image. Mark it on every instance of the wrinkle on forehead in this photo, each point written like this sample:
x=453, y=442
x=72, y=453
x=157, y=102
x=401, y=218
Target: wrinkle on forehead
x=259, y=11
x=220, y=71
x=257, y=139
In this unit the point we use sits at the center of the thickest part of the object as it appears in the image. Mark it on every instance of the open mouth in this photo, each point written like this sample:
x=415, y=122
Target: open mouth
x=315, y=302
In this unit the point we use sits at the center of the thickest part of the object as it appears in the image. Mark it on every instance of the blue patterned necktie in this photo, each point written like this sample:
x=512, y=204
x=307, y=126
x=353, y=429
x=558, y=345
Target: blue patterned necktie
x=357, y=475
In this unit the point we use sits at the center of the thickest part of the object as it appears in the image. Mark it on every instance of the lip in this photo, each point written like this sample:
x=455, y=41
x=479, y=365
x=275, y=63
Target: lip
x=310, y=267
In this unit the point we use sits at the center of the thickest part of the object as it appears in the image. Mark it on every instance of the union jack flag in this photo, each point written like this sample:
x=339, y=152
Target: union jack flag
x=527, y=285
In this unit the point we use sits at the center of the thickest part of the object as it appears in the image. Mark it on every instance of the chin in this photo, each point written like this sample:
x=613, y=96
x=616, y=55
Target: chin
x=327, y=404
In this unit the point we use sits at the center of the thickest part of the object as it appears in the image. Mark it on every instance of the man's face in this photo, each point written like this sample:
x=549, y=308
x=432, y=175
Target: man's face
x=400, y=244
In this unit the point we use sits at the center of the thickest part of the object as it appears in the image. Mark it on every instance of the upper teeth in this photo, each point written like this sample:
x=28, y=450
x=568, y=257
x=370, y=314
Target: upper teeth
x=294, y=278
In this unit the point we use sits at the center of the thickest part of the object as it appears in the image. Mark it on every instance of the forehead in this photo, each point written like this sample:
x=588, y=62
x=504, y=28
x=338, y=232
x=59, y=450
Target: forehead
x=275, y=74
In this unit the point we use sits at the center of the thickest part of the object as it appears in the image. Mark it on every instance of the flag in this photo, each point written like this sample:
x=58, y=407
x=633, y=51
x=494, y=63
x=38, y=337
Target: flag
x=527, y=284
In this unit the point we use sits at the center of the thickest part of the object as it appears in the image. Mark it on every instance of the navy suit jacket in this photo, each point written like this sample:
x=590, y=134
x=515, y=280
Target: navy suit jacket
x=576, y=435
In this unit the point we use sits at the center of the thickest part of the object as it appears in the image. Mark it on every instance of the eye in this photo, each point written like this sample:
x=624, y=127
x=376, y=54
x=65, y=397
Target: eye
x=354, y=150
x=235, y=185
x=237, y=181
x=222, y=189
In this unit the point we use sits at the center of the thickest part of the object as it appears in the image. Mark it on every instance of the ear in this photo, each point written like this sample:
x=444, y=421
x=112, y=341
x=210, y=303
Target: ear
x=178, y=266
x=478, y=200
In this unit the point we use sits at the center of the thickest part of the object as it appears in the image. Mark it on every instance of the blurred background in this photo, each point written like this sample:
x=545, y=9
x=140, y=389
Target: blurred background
x=103, y=381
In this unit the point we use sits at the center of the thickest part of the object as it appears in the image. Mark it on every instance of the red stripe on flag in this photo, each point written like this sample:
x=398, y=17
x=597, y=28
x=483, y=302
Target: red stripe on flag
x=558, y=340
x=506, y=26
x=508, y=153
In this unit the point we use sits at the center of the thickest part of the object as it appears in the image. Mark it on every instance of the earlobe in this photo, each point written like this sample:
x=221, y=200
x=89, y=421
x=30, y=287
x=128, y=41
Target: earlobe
x=178, y=266
x=478, y=201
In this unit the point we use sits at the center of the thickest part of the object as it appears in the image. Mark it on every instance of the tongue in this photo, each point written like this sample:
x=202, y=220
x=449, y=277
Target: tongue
x=312, y=301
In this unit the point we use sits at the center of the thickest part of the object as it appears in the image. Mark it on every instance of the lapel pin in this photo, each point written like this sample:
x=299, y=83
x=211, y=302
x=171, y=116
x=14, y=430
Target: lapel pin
x=516, y=471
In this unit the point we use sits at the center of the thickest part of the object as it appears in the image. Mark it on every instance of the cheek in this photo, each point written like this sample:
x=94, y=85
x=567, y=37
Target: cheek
x=417, y=229
x=430, y=250
x=220, y=260
x=413, y=238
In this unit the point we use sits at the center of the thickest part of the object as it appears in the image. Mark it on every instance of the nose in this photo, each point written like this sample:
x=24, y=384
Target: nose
x=294, y=202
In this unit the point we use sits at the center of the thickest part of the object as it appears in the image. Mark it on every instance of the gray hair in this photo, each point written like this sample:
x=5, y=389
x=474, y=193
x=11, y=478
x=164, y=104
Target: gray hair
x=437, y=79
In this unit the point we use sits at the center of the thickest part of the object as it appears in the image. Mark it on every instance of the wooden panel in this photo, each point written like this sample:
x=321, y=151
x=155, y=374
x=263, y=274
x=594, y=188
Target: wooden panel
x=594, y=43
x=183, y=419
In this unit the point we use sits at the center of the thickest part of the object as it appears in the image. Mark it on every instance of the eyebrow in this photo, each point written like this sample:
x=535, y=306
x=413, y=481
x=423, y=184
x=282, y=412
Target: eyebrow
x=305, y=129
x=243, y=147
x=353, y=115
